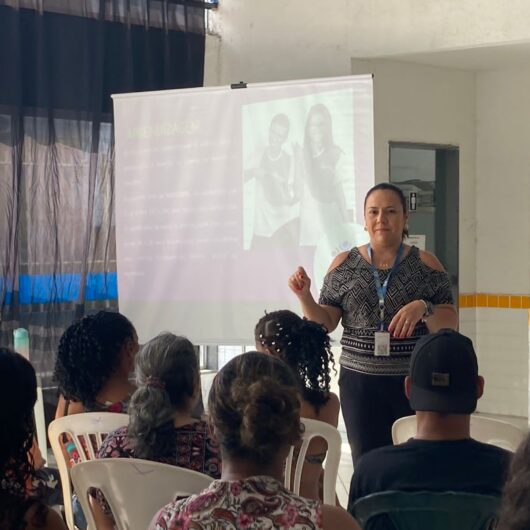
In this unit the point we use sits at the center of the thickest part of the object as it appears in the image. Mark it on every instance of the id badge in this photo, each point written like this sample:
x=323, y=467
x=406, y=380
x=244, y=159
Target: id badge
x=381, y=344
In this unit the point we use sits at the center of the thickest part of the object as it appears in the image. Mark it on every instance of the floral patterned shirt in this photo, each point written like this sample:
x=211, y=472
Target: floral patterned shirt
x=255, y=503
x=189, y=446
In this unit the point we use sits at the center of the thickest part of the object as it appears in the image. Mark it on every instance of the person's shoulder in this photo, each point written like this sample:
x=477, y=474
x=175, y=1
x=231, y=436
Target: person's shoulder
x=119, y=433
x=377, y=457
x=67, y=408
x=387, y=449
x=329, y=412
x=334, y=401
x=116, y=441
x=342, y=257
x=336, y=517
x=338, y=260
x=162, y=518
x=494, y=450
x=429, y=259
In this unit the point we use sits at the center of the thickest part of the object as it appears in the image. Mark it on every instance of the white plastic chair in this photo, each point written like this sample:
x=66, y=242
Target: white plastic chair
x=403, y=429
x=496, y=432
x=91, y=427
x=314, y=429
x=487, y=430
x=40, y=423
x=134, y=489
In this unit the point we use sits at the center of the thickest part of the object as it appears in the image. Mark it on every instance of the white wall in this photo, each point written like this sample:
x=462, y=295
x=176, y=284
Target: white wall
x=486, y=114
x=503, y=234
x=503, y=181
x=276, y=40
x=416, y=103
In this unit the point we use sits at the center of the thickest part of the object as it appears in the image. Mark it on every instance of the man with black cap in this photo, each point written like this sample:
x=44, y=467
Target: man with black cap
x=442, y=387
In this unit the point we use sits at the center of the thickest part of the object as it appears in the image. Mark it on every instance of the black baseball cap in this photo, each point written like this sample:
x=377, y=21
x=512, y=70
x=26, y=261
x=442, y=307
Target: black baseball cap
x=444, y=374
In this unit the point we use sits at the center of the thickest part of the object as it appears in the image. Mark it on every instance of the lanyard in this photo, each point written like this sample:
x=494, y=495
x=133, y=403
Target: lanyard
x=382, y=289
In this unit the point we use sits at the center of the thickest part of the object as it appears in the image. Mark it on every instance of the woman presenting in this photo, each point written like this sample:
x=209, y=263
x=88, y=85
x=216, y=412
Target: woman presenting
x=387, y=295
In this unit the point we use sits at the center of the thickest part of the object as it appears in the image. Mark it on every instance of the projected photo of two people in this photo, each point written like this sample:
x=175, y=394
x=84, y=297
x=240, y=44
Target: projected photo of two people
x=299, y=179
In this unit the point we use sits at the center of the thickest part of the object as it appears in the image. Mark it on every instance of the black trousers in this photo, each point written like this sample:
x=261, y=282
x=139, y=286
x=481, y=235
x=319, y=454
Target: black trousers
x=370, y=405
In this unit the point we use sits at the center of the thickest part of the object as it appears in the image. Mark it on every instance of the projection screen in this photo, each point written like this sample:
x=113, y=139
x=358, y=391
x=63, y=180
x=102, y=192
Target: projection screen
x=222, y=192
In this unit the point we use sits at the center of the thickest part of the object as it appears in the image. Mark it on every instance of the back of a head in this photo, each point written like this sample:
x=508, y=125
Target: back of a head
x=167, y=374
x=89, y=353
x=254, y=407
x=18, y=393
x=444, y=374
x=304, y=345
x=515, y=506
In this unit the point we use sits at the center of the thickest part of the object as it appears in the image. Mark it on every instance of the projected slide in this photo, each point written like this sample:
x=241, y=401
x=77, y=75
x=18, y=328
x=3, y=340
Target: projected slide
x=221, y=193
x=303, y=179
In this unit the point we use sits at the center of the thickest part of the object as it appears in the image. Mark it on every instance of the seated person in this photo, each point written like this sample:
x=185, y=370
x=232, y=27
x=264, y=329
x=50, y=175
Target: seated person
x=305, y=347
x=94, y=360
x=255, y=414
x=515, y=506
x=161, y=427
x=443, y=387
x=18, y=388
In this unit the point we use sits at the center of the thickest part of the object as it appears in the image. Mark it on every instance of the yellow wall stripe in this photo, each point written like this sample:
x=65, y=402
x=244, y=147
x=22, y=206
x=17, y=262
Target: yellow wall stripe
x=507, y=301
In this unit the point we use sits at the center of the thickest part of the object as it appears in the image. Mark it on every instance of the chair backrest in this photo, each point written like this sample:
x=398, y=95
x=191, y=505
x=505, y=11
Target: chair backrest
x=487, y=430
x=403, y=429
x=40, y=422
x=429, y=510
x=496, y=432
x=134, y=489
x=87, y=430
x=316, y=429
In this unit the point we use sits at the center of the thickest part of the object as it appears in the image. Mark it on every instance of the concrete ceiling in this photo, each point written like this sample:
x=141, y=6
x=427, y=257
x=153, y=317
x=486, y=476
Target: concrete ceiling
x=479, y=58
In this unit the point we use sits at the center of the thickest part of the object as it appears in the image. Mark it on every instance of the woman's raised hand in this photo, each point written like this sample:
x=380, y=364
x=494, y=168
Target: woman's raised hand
x=300, y=283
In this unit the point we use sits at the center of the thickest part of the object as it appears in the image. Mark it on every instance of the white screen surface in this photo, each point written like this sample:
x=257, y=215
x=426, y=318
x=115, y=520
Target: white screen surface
x=221, y=193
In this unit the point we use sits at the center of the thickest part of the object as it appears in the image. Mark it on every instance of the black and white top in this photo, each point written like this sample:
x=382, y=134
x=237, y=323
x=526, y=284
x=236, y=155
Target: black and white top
x=351, y=287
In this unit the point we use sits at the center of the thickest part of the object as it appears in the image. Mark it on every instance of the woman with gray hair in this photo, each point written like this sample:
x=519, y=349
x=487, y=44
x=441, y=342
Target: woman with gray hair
x=161, y=427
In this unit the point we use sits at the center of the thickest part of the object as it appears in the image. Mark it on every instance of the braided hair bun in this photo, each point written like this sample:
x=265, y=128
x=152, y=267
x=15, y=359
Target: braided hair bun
x=254, y=407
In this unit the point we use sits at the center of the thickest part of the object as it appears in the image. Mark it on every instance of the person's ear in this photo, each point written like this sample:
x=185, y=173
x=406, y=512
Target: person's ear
x=480, y=386
x=406, y=385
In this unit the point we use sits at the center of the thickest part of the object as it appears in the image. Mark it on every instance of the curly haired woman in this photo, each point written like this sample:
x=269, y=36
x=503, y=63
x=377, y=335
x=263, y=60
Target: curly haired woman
x=94, y=360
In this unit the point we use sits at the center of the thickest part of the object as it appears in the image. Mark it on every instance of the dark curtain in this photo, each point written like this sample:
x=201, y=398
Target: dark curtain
x=60, y=61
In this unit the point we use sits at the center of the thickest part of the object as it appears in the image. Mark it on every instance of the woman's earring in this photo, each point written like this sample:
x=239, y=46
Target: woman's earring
x=365, y=229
